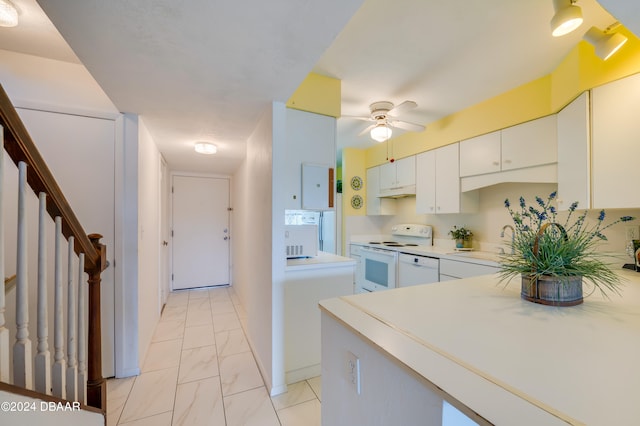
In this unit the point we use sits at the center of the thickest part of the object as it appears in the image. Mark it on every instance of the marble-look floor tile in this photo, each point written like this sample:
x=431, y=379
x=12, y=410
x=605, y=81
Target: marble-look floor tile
x=197, y=336
x=199, y=403
x=198, y=363
x=163, y=419
x=198, y=317
x=200, y=304
x=162, y=355
x=152, y=393
x=198, y=293
x=296, y=394
x=219, y=294
x=231, y=342
x=307, y=414
x=239, y=373
x=222, y=322
x=250, y=408
x=117, y=393
x=223, y=307
x=168, y=330
x=174, y=313
x=316, y=385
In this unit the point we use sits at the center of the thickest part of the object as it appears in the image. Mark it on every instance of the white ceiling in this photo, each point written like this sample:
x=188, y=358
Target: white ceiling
x=207, y=70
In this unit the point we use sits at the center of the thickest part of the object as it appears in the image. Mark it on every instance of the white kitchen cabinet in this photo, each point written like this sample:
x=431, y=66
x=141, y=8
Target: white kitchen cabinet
x=438, y=183
x=456, y=269
x=311, y=138
x=399, y=174
x=480, y=155
x=530, y=144
x=377, y=206
x=315, y=186
x=573, y=154
x=615, y=145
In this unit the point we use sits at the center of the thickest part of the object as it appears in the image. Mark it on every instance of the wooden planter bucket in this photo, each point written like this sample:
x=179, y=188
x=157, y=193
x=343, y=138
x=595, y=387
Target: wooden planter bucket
x=549, y=290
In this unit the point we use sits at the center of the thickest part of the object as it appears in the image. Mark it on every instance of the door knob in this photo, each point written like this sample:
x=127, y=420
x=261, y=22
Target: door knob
x=226, y=238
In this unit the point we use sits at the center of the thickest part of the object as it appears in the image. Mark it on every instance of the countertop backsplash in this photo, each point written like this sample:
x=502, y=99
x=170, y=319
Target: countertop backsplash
x=487, y=223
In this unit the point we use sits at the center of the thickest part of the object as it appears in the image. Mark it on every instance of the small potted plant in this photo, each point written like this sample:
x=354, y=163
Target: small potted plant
x=462, y=236
x=554, y=258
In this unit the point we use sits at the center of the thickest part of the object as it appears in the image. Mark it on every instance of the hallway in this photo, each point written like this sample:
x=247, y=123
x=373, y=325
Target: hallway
x=200, y=370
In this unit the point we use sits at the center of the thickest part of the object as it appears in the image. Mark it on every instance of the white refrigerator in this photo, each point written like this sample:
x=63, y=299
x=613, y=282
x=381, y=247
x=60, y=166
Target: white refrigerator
x=326, y=221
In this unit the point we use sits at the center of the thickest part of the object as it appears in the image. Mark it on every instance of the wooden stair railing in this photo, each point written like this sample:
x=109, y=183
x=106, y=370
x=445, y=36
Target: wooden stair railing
x=21, y=148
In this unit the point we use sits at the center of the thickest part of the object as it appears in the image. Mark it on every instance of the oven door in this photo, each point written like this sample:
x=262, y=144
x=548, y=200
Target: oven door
x=378, y=269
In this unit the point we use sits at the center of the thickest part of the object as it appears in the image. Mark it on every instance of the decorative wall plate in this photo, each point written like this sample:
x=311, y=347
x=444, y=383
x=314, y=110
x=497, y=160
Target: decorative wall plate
x=356, y=183
x=356, y=202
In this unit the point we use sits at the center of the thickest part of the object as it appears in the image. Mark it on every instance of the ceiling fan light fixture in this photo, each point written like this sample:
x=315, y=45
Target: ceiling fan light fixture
x=605, y=44
x=8, y=14
x=206, y=148
x=381, y=132
x=567, y=18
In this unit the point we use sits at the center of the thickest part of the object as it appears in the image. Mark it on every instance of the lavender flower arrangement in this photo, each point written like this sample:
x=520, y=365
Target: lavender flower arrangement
x=566, y=249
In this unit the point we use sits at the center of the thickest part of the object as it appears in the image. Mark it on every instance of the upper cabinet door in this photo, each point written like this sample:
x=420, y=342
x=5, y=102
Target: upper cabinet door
x=616, y=149
x=530, y=144
x=426, y=182
x=406, y=171
x=480, y=155
x=573, y=154
x=315, y=187
x=388, y=176
x=447, y=179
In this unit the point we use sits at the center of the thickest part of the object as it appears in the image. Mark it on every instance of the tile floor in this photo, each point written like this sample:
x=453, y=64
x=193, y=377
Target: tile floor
x=199, y=370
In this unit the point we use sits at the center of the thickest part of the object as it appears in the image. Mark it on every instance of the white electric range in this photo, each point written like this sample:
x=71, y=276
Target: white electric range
x=395, y=260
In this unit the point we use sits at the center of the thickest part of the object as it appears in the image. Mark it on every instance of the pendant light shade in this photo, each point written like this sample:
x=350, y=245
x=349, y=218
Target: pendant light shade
x=8, y=14
x=567, y=18
x=380, y=133
x=605, y=44
x=206, y=148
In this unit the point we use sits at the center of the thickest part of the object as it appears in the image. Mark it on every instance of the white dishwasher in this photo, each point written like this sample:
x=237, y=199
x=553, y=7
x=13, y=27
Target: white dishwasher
x=414, y=269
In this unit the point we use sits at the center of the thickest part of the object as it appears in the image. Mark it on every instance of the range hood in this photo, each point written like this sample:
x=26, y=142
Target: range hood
x=401, y=192
x=547, y=173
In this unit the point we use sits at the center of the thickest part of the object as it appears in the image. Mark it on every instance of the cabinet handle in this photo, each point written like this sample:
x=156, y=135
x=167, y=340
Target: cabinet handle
x=496, y=163
x=507, y=161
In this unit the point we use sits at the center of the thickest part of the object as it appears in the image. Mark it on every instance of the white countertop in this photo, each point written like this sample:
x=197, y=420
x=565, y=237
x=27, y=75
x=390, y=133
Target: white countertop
x=512, y=361
x=322, y=260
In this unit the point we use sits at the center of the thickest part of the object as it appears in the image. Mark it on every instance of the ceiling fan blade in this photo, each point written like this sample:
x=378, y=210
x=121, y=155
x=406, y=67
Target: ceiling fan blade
x=403, y=107
x=366, y=130
x=356, y=117
x=405, y=125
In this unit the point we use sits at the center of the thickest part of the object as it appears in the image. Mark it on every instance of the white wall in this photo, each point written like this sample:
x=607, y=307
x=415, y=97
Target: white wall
x=149, y=210
x=252, y=241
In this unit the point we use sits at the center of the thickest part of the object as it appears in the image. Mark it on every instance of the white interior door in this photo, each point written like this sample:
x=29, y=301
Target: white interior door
x=164, y=232
x=200, y=232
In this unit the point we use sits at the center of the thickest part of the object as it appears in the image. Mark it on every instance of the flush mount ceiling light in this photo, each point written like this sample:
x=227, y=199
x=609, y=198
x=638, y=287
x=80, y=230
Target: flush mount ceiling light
x=605, y=43
x=568, y=17
x=206, y=148
x=8, y=14
x=381, y=132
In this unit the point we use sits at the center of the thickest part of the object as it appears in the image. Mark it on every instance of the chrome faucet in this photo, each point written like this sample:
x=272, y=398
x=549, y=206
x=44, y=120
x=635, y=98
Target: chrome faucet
x=513, y=236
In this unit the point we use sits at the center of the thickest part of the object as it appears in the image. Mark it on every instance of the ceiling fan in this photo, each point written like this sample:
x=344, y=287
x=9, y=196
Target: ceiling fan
x=383, y=114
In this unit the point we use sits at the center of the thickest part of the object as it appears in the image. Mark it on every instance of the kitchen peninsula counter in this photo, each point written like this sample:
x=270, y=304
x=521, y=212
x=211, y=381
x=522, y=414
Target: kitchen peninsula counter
x=490, y=352
x=322, y=260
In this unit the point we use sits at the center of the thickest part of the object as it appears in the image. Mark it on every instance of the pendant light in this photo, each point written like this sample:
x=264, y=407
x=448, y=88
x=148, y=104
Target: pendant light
x=206, y=148
x=605, y=43
x=567, y=18
x=8, y=14
x=381, y=132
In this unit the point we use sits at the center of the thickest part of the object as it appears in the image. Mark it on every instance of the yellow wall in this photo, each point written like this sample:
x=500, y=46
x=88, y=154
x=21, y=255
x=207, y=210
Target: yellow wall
x=318, y=94
x=580, y=70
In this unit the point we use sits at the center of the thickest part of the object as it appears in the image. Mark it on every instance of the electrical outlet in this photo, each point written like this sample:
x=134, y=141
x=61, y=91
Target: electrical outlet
x=632, y=232
x=353, y=371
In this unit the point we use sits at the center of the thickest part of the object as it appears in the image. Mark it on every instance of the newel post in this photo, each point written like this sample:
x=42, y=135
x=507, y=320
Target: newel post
x=96, y=385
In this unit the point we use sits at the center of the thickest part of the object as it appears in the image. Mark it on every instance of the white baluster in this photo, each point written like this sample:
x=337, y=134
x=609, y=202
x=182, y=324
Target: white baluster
x=58, y=324
x=22, y=361
x=4, y=331
x=43, y=357
x=82, y=341
x=72, y=371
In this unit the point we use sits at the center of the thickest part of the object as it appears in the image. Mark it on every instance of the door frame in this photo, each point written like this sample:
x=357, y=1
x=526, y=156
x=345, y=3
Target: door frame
x=170, y=222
